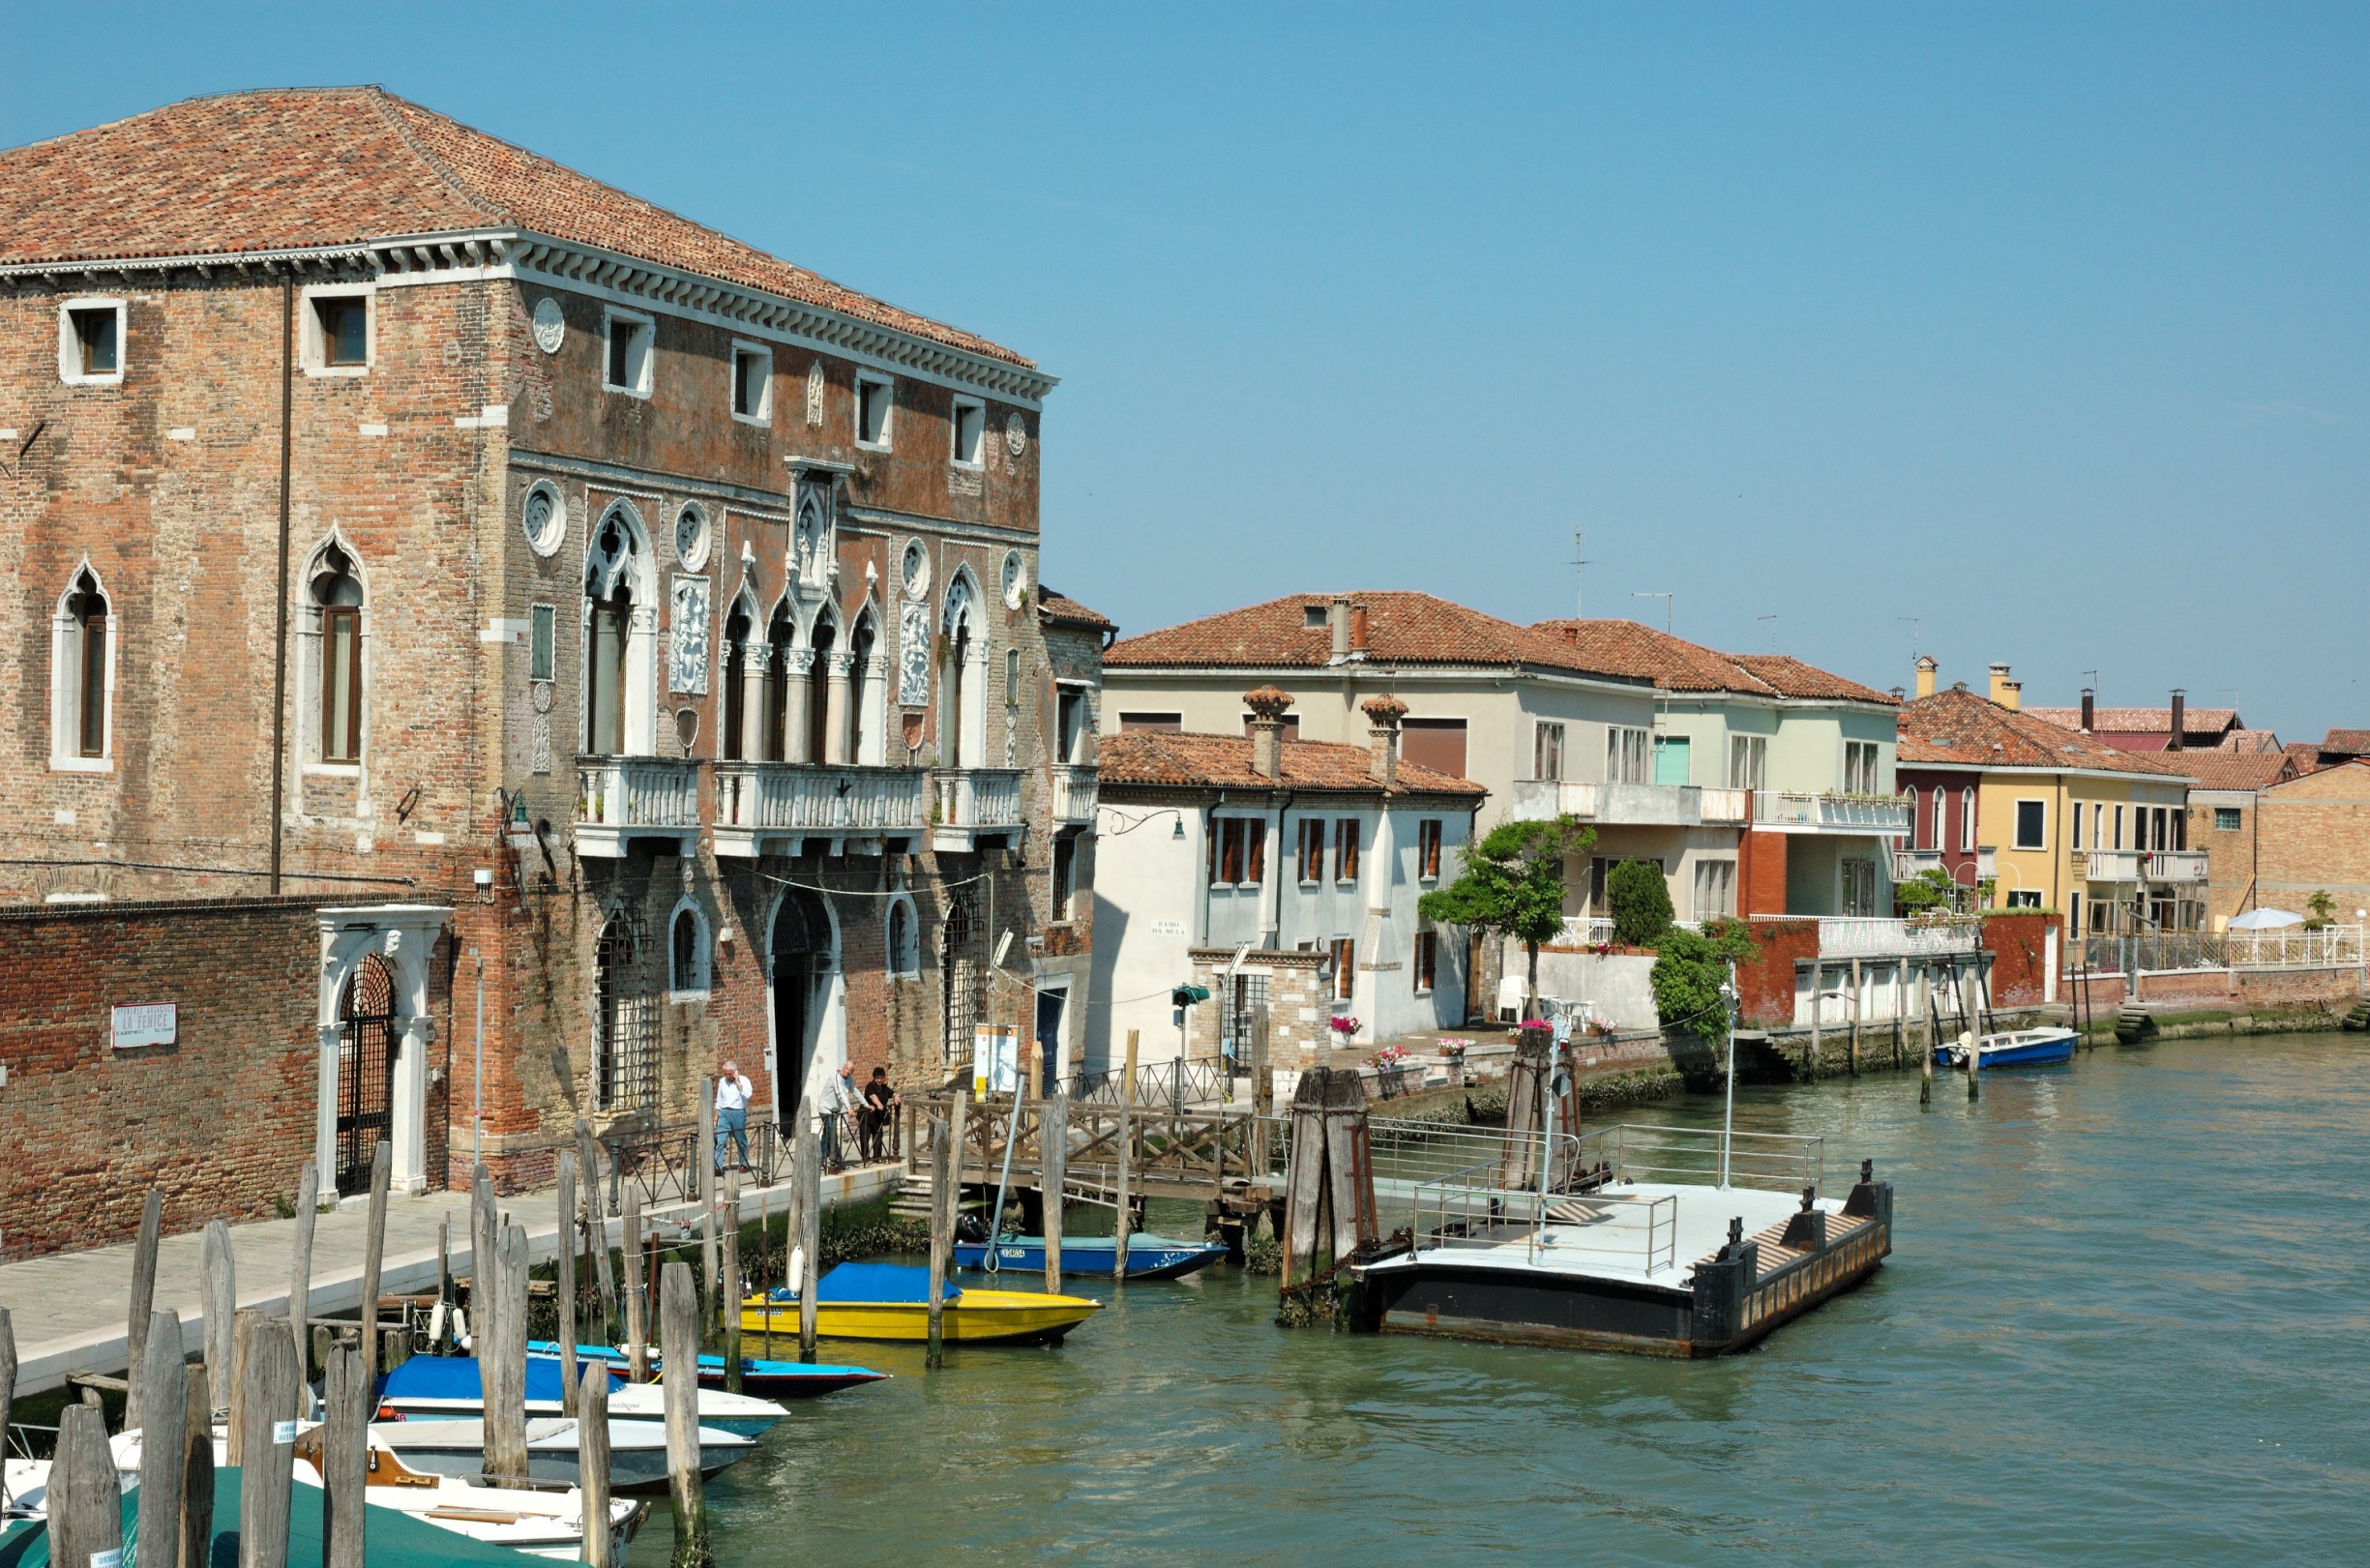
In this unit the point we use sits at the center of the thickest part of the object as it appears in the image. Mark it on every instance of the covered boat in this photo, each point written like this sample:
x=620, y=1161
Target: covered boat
x=2014, y=1048
x=765, y=1379
x=1148, y=1258
x=637, y=1450
x=891, y=1301
x=429, y=1385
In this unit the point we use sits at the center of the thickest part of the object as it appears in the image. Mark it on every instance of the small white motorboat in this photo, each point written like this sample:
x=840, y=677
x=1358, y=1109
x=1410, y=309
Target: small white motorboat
x=637, y=1450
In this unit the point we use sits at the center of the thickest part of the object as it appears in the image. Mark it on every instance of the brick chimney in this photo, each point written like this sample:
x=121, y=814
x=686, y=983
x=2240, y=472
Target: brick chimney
x=1383, y=714
x=1337, y=621
x=1357, y=631
x=1267, y=705
x=2090, y=708
x=2181, y=719
x=1999, y=684
x=1926, y=667
x=2013, y=698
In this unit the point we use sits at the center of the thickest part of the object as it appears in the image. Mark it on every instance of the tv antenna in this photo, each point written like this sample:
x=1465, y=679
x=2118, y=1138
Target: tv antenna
x=1667, y=602
x=1579, y=560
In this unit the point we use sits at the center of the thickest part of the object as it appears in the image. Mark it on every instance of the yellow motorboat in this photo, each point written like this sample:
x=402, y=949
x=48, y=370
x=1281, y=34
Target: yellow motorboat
x=891, y=1301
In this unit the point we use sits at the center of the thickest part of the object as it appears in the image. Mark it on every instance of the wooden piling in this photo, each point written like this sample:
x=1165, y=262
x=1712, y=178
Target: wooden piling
x=1053, y=1169
x=732, y=1281
x=219, y=1279
x=143, y=1303
x=242, y=1338
x=1329, y=1192
x=160, y=1387
x=85, y=1503
x=592, y=1404
x=1262, y=1094
x=197, y=1468
x=939, y=1225
x=8, y=1391
x=345, y=1465
x=809, y=1166
x=300, y=1269
x=1853, y=1058
x=1818, y=977
x=680, y=1329
x=485, y=1235
x=375, y=1251
x=267, y=1452
x=597, y=1229
x=705, y=1164
x=565, y=1271
x=1125, y=1214
x=637, y=1305
x=506, y=1355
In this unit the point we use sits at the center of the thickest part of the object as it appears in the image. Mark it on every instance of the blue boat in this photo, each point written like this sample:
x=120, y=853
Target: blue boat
x=2016, y=1048
x=431, y=1387
x=1148, y=1257
x=766, y=1379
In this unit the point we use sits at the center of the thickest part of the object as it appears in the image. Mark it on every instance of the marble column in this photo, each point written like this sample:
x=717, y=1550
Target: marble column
x=835, y=708
x=794, y=737
x=753, y=699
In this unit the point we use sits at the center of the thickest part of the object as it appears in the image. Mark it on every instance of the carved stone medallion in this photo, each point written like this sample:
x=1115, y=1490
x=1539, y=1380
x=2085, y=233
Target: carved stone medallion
x=550, y=326
x=1016, y=434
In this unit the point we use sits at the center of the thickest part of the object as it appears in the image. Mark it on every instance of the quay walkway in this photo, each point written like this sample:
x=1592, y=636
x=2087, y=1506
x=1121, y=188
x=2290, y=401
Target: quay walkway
x=69, y=1311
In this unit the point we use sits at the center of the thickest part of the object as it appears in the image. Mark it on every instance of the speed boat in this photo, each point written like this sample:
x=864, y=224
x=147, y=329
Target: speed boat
x=637, y=1450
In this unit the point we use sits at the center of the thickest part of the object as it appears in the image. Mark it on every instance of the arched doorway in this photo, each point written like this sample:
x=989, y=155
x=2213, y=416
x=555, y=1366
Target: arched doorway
x=368, y=1043
x=800, y=958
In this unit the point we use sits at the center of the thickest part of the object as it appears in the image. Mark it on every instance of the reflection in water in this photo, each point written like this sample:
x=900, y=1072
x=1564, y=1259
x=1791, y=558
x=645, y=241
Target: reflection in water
x=2124, y=1323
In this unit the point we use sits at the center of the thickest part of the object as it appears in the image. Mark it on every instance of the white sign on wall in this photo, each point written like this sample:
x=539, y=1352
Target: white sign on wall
x=995, y=1059
x=1167, y=928
x=148, y=1023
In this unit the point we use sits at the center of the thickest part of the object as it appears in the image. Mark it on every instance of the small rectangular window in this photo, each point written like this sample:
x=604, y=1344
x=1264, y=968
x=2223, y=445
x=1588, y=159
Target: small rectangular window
x=1860, y=767
x=95, y=340
x=1547, y=750
x=1625, y=755
x=1344, y=969
x=1428, y=848
x=1346, y=849
x=1967, y=821
x=345, y=328
x=753, y=379
x=1312, y=850
x=1715, y=888
x=628, y=365
x=2031, y=822
x=874, y=401
x=2119, y=828
x=1241, y=850
x=544, y=623
x=1748, y=762
x=970, y=424
x=1161, y=724
x=1427, y=961
x=1065, y=875
x=2075, y=820
x=2226, y=819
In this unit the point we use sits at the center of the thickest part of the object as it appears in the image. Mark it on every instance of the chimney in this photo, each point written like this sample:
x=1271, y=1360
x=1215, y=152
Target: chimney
x=2090, y=708
x=1999, y=683
x=1337, y=620
x=1926, y=667
x=1384, y=714
x=2181, y=719
x=1357, y=631
x=2012, y=696
x=1267, y=705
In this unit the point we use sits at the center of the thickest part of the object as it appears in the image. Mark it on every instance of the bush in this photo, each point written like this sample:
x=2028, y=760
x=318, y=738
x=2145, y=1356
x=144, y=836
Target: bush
x=1930, y=889
x=1641, y=903
x=1689, y=970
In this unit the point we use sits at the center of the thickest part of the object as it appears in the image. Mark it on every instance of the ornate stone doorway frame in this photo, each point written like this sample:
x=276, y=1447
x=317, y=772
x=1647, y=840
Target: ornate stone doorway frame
x=402, y=936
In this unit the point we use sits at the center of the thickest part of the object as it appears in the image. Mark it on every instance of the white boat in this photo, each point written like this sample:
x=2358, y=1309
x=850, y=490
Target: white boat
x=637, y=1450
x=2047, y=1046
x=448, y=1387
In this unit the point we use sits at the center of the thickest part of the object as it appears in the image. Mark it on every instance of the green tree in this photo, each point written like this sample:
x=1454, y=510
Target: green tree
x=1512, y=884
x=1929, y=889
x=1641, y=901
x=1689, y=969
x=2324, y=909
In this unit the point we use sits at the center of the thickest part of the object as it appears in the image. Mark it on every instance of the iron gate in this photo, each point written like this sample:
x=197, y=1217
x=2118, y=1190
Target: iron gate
x=367, y=1043
x=626, y=1053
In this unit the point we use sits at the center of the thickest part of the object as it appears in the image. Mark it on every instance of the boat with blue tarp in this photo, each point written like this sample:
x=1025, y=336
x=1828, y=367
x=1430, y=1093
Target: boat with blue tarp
x=429, y=1385
x=767, y=1380
x=1148, y=1257
x=2050, y=1046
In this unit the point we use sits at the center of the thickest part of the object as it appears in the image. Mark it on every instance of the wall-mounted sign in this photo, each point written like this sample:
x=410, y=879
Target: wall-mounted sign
x=995, y=1059
x=149, y=1023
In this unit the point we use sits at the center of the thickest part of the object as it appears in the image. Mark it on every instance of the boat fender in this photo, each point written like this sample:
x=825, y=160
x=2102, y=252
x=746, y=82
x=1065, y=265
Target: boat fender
x=798, y=1266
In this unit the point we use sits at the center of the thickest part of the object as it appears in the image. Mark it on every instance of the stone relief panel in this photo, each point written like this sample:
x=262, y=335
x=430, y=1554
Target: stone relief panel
x=913, y=655
x=688, y=660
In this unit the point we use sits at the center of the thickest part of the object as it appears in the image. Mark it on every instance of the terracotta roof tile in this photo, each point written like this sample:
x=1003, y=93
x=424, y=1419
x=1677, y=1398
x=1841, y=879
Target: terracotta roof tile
x=2142, y=720
x=1224, y=762
x=296, y=168
x=1063, y=610
x=1675, y=664
x=1792, y=677
x=1402, y=628
x=2349, y=742
x=1958, y=726
x=2235, y=770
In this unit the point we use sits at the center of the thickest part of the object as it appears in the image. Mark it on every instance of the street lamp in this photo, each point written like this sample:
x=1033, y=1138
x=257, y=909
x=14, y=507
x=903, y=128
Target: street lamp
x=1728, y=1118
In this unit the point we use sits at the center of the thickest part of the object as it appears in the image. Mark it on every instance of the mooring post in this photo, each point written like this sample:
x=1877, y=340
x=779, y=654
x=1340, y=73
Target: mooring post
x=1304, y=1187
x=1262, y=1097
x=162, y=1387
x=1053, y=1169
x=707, y=1163
x=679, y=1318
x=484, y=1233
x=346, y=1456
x=732, y=1282
x=220, y=1275
x=143, y=1302
x=593, y=1465
x=810, y=1165
x=197, y=1468
x=242, y=1338
x=1127, y=1137
x=85, y=1503
x=300, y=1275
x=1351, y=1177
x=637, y=1306
x=1973, y=1047
x=597, y=1228
x=8, y=1390
x=563, y=1271
x=1854, y=1048
x=940, y=1225
x=506, y=1421
x=374, y=1252
x=1819, y=980
x=267, y=1453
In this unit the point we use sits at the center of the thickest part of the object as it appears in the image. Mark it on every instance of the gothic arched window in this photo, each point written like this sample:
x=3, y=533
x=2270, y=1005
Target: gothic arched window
x=80, y=680
x=337, y=591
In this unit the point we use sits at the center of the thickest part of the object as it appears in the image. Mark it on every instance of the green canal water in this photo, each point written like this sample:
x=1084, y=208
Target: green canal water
x=2126, y=1320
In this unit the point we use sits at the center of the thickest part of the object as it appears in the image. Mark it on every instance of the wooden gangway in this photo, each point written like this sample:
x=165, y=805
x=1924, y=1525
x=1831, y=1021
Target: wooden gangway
x=1200, y=1153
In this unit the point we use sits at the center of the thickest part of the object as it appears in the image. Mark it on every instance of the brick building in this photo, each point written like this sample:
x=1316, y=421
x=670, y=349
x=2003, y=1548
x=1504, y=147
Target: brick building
x=391, y=514
x=2223, y=822
x=2313, y=836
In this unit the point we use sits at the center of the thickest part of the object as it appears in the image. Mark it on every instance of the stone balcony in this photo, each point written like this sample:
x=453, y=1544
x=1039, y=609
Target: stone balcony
x=2110, y=865
x=2174, y=865
x=623, y=798
x=1621, y=805
x=975, y=807
x=782, y=808
x=1073, y=793
x=1796, y=812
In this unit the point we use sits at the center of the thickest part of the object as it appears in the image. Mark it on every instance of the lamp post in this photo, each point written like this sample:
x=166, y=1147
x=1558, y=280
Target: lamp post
x=1728, y=1117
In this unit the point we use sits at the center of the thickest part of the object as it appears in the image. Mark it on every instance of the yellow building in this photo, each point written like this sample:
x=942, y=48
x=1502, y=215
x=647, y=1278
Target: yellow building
x=2058, y=821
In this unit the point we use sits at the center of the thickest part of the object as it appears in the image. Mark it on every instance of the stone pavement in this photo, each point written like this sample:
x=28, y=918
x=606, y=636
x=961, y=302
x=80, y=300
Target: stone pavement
x=69, y=1311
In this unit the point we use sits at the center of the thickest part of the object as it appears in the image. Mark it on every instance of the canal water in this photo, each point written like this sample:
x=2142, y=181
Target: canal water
x=2126, y=1320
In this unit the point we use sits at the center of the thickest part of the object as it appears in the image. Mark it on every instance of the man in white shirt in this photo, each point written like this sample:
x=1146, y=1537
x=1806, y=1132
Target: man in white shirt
x=732, y=1092
x=840, y=1102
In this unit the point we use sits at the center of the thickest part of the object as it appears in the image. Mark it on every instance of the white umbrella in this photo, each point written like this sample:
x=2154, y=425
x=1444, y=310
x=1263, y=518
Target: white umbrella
x=2266, y=920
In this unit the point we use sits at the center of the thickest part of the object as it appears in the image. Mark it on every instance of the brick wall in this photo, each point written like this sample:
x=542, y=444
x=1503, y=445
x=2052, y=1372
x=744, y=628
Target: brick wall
x=1762, y=874
x=2316, y=837
x=221, y=1121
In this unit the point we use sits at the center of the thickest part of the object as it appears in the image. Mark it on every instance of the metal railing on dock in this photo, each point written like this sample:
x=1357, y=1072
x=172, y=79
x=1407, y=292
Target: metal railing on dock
x=1473, y=1208
x=1685, y=1156
x=662, y=1162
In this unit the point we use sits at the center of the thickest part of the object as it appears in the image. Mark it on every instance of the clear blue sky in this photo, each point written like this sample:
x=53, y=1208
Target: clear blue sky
x=2044, y=325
